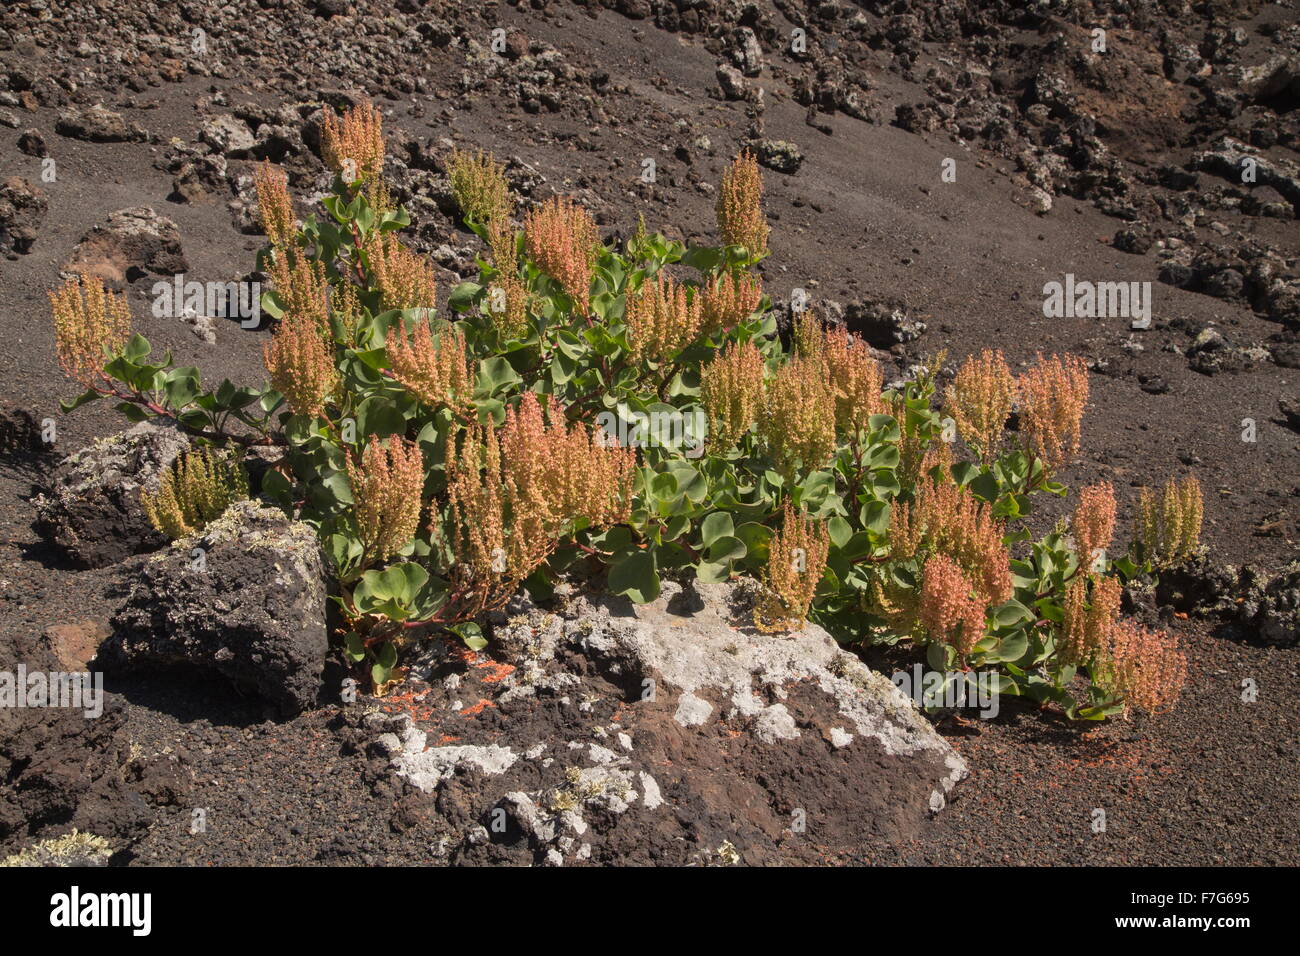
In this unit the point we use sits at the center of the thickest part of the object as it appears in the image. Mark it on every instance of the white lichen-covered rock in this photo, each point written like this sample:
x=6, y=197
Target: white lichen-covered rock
x=91, y=512
x=671, y=732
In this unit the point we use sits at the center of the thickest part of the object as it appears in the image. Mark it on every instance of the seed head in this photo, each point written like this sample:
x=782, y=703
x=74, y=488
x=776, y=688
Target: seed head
x=795, y=564
x=89, y=325
x=561, y=237
x=950, y=611
x=353, y=146
x=274, y=205
x=1170, y=523
x=514, y=493
x=1094, y=520
x=740, y=206
x=436, y=370
x=731, y=390
x=197, y=488
x=1085, y=631
x=798, y=422
x=946, y=518
x=387, y=489
x=727, y=301
x=1053, y=395
x=404, y=278
x=303, y=290
x=1145, y=666
x=479, y=184
x=979, y=401
x=508, y=303
x=855, y=377
x=662, y=319
x=300, y=360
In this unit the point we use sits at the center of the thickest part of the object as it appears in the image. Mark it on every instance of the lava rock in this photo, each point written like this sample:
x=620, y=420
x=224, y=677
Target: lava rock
x=883, y=324
x=228, y=135
x=732, y=82
x=131, y=244
x=22, y=210
x=98, y=125
x=779, y=155
x=253, y=611
x=33, y=144
x=91, y=512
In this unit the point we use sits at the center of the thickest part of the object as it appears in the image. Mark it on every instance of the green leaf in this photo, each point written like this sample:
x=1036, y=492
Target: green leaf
x=392, y=591
x=85, y=397
x=471, y=634
x=464, y=296
x=636, y=576
x=136, y=349
x=495, y=375
x=715, y=526
x=726, y=548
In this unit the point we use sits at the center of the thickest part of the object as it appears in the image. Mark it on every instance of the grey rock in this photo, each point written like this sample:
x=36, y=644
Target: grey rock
x=883, y=324
x=253, y=612
x=23, y=207
x=91, y=511
x=732, y=82
x=748, y=54
x=98, y=125
x=228, y=135
x=779, y=155
x=1227, y=159
x=129, y=245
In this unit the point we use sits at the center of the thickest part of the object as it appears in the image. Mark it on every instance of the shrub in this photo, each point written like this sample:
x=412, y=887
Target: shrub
x=448, y=460
x=197, y=488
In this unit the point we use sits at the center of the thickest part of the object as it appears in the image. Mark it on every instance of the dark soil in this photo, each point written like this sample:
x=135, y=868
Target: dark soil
x=866, y=217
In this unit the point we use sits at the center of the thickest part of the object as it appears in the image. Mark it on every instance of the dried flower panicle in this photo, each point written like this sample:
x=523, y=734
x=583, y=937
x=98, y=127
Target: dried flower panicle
x=1091, y=609
x=950, y=609
x=740, y=206
x=514, y=492
x=946, y=518
x=405, y=279
x=503, y=242
x=387, y=488
x=561, y=237
x=275, y=206
x=303, y=290
x=346, y=308
x=795, y=564
x=731, y=390
x=979, y=401
x=479, y=184
x=808, y=336
x=727, y=301
x=1053, y=395
x=570, y=472
x=1093, y=523
x=1169, y=524
x=1146, y=667
x=798, y=421
x=90, y=323
x=508, y=303
x=195, y=489
x=662, y=319
x=300, y=360
x=435, y=369
x=855, y=378
x=353, y=145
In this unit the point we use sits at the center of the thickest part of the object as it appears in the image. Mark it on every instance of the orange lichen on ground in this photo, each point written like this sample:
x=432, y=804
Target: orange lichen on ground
x=476, y=709
x=408, y=703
